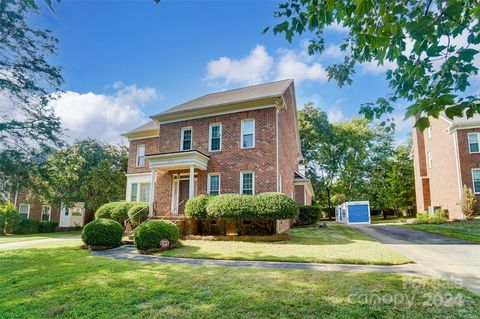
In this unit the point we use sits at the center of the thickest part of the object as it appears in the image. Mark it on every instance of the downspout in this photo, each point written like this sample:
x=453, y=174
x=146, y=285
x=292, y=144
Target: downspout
x=152, y=193
x=276, y=146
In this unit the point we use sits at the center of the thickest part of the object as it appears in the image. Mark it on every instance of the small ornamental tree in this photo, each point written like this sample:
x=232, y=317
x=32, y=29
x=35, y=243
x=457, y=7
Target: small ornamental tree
x=8, y=217
x=469, y=202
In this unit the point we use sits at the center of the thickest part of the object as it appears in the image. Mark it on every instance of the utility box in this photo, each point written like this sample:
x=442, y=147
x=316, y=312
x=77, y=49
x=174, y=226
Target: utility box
x=353, y=213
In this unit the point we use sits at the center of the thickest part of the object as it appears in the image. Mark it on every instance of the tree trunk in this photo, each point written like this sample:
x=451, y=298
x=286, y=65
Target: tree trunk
x=329, y=204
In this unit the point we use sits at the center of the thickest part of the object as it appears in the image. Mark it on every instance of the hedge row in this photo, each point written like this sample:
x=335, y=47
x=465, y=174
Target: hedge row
x=268, y=206
x=119, y=211
x=309, y=214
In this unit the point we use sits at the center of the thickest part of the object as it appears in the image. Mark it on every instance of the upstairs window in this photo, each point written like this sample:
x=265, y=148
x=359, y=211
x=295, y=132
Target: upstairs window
x=46, y=211
x=215, y=133
x=476, y=180
x=248, y=133
x=186, y=143
x=141, y=156
x=247, y=183
x=473, y=142
x=23, y=211
x=213, y=186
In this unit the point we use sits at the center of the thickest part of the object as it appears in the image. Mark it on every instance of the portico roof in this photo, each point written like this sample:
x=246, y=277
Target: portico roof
x=178, y=160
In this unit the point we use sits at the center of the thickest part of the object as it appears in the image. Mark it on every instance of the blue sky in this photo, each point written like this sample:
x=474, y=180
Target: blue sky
x=125, y=60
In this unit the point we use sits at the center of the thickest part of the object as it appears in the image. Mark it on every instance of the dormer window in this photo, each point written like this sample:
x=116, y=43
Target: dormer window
x=186, y=139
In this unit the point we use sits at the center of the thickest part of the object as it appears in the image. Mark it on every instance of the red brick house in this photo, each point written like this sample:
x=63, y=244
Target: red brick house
x=446, y=157
x=238, y=141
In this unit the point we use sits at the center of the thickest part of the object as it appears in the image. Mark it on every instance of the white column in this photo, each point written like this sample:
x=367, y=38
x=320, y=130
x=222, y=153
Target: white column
x=152, y=194
x=191, y=184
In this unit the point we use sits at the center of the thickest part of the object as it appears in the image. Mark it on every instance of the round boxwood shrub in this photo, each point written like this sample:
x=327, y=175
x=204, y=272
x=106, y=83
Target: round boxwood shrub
x=275, y=206
x=197, y=207
x=102, y=232
x=138, y=213
x=120, y=210
x=231, y=206
x=149, y=234
x=105, y=211
x=309, y=214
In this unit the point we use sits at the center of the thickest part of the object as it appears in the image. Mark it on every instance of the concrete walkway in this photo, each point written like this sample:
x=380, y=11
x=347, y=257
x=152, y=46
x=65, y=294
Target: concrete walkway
x=41, y=243
x=454, y=259
x=131, y=253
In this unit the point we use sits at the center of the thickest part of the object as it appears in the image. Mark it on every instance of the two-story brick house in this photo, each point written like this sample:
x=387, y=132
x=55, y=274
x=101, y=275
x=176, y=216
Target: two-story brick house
x=446, y=157
x=238, y=141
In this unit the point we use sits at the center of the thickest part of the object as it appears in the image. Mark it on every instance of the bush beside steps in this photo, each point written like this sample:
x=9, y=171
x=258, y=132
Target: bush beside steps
x=102, y=234
x=147, y=236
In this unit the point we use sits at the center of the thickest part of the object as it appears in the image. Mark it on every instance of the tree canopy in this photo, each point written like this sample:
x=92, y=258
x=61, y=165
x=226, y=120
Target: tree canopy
x=432, y=44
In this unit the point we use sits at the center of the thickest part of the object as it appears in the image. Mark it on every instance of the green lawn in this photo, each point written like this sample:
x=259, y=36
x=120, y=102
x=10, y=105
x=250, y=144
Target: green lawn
x=467, y=230
x=390, y=220
x=29, y=237
x=337, y=244
x=69, y=283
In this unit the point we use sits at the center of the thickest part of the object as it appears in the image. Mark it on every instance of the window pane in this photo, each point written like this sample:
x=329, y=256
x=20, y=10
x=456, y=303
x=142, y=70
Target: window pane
x=144, y=192
x=141, y=156
x=247, y=183
x=187, y=140
x=23, y=211
x=215, y=137
x=248, y=140
x=474, y=147
x=473, y=142
x=248, y=128
x=45, y=213
x=476, y=180
x=214, y=185
x=133, y=193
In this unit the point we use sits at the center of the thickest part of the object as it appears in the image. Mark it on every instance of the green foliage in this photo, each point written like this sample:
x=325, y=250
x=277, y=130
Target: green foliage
x=47, y=227
x=105, y=211
x=275, y=206
x=149, y=234
x=232, y=206
x=196, y=207
x=438, y=217
x=102, y=232
x=431, y=46
x=31, y=226
x=309, y=214
x=138, y=213
x=469, y=202
x=120, y=210
x=8, y=217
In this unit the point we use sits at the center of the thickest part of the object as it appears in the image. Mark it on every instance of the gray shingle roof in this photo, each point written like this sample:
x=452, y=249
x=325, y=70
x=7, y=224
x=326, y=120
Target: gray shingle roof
x=255, y=92
x=149, y=126
x=463, y=120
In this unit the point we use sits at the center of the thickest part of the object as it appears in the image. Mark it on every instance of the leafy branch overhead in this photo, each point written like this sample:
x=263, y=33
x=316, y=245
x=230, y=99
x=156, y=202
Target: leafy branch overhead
x=432, y=43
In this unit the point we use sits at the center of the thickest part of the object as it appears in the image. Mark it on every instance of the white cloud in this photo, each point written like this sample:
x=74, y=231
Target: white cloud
x=375, y=68
x=299, y=67
x=337, y=27
x=335, y=113
x=103, y=116
x=252, y=69
x=333, y=51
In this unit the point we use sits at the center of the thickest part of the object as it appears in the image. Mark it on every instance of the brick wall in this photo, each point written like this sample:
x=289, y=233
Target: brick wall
x=151, y=147
x=300, y=194
x=36, y=207
x=467, y=160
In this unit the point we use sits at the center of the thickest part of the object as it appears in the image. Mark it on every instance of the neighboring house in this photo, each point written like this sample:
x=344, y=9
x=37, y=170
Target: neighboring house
x=238, y=141
x=30, y=207
x=446, y=157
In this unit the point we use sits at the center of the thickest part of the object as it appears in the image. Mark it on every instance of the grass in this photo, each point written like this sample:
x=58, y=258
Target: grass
x=29, y=237
x=466, y=230
x=69, y=283
x=337, y=244
x=378, y=219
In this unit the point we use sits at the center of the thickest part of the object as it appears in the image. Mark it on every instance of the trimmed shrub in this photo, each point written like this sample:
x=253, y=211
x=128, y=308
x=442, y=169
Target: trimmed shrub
x=8, y=217
x=232, y=206
x=309, y=214
x=102, y=232
x=47, y=227
x=138, y=213
x=275, y=206
x=27, y=226
x=117, y=210
x=438, y=217
x=105, y=211
x=197, y=207
x=148, y=235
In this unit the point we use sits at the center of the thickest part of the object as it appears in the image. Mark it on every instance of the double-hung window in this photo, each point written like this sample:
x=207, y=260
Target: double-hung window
x=247, y=183
x=23, y=211
x=248, y=133
x=473, y=142
x=476, y=180
x=46, y=211
x=186, y=139
x=145, y=192
x=140, y=155
x=215, y=138
x=133, y=192
x=213, y=182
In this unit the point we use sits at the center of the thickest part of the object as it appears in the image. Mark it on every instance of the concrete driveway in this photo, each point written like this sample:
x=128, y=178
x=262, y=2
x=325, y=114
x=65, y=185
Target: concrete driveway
x=453, y=259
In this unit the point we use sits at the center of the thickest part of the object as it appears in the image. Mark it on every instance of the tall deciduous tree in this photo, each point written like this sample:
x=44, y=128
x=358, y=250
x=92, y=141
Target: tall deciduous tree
x=88, y=171
x=432, y=44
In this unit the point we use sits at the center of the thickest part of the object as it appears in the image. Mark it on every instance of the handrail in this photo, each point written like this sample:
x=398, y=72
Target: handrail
x=129, y=218
x=163, y=217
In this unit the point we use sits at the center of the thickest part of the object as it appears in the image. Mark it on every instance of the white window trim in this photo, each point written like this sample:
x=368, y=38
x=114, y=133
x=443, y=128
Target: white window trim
x=28, y=210
x=429, y=159
x=137, y=157
x=219, y=182
x=49, y=212
x=473, y=180
x=210, y=136
x=429, y=130
x=191, y=138
x=253, y=181
x=139, y=192
x=241, y=133
x=478, y=141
